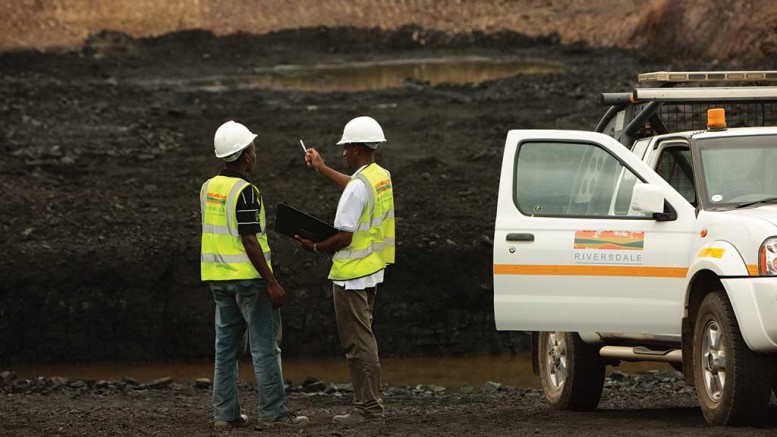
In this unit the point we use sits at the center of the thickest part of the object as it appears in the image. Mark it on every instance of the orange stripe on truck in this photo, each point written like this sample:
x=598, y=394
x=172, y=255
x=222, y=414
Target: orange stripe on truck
x=588, y=270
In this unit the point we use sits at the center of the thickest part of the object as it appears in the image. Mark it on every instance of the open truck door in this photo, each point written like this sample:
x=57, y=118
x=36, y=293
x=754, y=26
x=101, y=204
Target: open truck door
x=578, y=217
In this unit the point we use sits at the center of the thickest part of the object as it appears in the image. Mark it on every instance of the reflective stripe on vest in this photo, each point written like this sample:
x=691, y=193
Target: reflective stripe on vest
x=377, y=221
x=219, y=258
x=222, y=254
x=372, y=245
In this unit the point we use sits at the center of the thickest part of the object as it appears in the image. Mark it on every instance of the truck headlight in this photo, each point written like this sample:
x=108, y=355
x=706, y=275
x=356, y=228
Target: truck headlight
x=767, y=258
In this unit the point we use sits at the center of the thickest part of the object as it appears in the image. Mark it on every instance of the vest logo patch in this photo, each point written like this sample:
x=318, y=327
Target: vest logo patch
x=216, y=198
x=383, y=186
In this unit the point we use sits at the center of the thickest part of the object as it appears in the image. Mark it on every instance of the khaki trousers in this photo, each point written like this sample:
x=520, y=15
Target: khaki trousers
x=353, y=310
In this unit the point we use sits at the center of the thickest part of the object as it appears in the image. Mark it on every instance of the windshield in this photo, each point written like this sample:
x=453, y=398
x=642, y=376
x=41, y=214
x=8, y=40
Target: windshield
x=739, y=170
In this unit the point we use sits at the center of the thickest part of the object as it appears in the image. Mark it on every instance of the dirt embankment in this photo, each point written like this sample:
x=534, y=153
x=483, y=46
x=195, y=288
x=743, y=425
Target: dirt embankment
x=741, y=33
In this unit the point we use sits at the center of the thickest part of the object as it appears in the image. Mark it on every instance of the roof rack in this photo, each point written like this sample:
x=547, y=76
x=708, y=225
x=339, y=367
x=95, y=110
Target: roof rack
x=689, y=95
x=667, y=106
x=678, y=77
x=704, y=94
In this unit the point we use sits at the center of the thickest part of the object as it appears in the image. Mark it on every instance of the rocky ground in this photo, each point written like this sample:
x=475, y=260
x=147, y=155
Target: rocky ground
x=648, y=404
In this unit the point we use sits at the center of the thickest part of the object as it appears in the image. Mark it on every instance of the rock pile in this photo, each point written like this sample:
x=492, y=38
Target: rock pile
x=617, y=383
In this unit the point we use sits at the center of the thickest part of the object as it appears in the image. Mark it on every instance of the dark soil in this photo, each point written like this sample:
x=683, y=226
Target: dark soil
x=102, y=154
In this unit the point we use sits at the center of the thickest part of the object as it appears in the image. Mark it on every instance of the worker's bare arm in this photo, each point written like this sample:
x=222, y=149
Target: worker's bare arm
x=331, y=245
x=313, y=159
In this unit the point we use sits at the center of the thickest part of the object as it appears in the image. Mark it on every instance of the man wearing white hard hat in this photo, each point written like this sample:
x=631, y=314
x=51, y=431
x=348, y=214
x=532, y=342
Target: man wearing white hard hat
x=362, y=249
x=235, y=262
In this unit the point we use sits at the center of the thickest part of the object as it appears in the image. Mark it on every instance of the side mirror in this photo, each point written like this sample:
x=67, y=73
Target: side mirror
x=647, y=198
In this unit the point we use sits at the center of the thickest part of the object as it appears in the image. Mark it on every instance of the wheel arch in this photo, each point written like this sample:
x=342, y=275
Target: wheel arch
x=704, y=281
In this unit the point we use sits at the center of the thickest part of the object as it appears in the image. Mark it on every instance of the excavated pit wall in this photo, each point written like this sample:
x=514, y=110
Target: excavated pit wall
x=101, y=172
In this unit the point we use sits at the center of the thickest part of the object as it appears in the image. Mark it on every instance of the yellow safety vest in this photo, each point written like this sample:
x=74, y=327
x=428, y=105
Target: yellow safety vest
x=223, y=256
x=372, y=247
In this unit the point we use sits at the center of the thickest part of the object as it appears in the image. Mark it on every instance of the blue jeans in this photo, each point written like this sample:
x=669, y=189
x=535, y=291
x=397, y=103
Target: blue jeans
x=241, y=304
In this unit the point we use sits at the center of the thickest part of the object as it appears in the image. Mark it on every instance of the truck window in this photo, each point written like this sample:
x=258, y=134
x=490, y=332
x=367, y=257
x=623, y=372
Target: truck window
x=739, y=169
x=674, y=165
x=571, y=179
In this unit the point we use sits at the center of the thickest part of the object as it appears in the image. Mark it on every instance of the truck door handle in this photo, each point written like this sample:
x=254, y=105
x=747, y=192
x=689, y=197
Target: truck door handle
x=520, y=237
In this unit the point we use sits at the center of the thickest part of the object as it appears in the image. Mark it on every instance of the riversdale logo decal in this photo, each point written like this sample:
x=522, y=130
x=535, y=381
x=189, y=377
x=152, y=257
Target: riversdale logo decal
x=609, y=247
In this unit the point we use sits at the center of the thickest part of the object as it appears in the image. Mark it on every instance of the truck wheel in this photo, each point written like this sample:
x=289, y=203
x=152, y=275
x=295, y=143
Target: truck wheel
x=571, y=371
x=733, y=383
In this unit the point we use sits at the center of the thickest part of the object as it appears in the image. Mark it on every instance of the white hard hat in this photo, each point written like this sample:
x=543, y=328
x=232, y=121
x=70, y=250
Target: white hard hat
x=363, y=130
x=230, y=139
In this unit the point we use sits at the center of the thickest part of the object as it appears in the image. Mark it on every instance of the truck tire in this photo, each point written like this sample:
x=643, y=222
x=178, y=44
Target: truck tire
x=774, y=378
x=571, y=371
x=733, y=383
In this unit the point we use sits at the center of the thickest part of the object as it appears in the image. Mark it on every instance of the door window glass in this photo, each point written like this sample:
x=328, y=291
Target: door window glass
x=572, y=179
x=675, y=166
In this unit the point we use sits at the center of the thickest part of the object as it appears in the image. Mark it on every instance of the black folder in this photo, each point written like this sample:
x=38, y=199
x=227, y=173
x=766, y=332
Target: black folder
x=290, y=221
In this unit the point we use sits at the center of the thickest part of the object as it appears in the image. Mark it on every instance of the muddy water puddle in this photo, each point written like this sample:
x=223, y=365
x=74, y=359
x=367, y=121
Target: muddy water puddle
x=448, y=372
x=361, y=76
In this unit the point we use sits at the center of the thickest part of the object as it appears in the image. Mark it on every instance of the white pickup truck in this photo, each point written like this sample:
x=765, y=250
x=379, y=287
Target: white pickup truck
x=652, y=239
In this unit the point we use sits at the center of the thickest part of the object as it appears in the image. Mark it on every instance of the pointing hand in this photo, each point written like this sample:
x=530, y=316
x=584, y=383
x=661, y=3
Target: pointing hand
x=313, y=159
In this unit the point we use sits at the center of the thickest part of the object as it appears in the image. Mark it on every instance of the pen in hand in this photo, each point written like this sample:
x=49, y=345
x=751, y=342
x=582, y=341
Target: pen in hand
x=308, y=161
